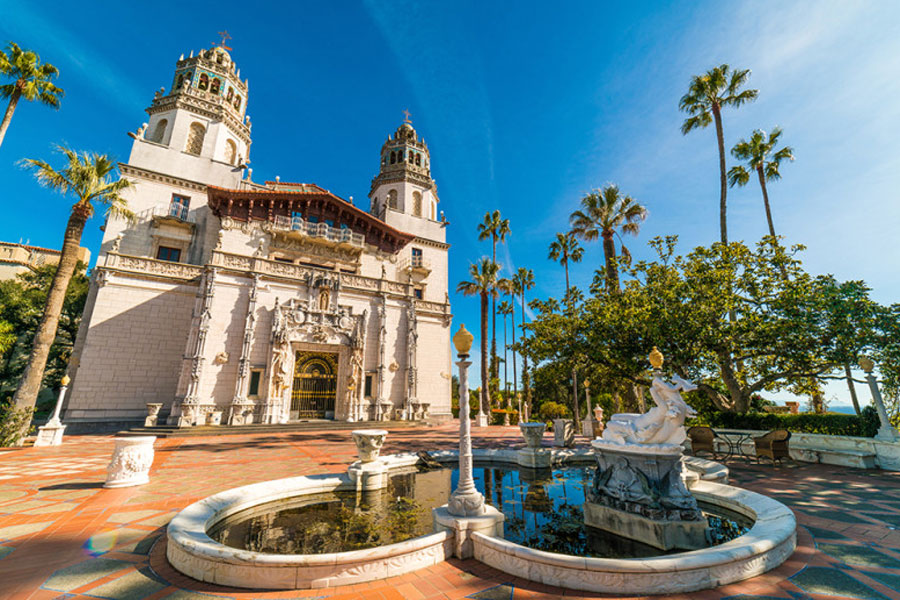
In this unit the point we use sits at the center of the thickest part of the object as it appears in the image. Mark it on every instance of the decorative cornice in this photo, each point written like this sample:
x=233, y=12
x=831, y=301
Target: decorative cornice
x=399, y=177
x=266, y=205
x=205, y=107
x=132, y=171
x=434, y=244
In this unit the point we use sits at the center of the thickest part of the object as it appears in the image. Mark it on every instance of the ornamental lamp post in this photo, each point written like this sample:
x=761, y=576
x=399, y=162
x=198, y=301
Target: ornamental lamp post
x=886, y=432
x=466, y=500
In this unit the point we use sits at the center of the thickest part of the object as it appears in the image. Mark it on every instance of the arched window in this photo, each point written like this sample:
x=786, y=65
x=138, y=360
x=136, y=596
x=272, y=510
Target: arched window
x=216, y=86
x=179, y=81
x=195, y=137
x=412, y=158
x=399, y=156
x=160, y=131
x=230, y=151
x=237, y=102
x=204, y=82
x=392, y=199
x=393, y=157
x=188, y=79
x=230, y=94
x=418, y=160
x=417, y=204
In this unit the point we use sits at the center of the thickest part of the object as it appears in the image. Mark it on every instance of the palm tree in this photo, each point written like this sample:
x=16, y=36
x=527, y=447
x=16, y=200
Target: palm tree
x=88, y=178
x=505, y=309
x=605, y=213
x=522, y=281
x=496, y=228
x=707, y=95
x=565, y=248
x=755, y=153
x=508, y=287
x=30, y=80
x=483, y=283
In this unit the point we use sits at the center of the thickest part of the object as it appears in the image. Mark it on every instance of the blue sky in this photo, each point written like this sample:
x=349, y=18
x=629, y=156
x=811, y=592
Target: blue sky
x=525, y=106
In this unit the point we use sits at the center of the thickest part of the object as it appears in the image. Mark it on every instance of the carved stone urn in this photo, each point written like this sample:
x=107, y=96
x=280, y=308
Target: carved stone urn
x=369, y=443
x=533, y=434
x=131, y=461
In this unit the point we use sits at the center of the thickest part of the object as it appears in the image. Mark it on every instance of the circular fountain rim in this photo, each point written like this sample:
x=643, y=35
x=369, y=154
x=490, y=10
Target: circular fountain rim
x=192, y=551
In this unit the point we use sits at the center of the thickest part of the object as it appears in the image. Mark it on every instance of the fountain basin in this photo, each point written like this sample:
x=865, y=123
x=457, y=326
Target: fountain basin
x=770, y=541
x=192, y=551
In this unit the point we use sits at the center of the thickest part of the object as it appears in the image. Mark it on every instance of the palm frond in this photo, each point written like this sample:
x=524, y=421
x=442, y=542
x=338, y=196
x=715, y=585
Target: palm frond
x=738, y=176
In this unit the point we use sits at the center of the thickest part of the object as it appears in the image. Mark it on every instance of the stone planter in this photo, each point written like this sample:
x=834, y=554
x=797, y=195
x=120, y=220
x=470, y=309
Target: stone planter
x=153, y=409
x=131, y=461
x=563, y=433
x=533, y=434
x=369, y=443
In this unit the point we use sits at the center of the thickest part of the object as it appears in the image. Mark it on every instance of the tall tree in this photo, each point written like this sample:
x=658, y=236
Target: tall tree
x=483, y=283
x=31, y=80
x=505, y=309
x=507, y=286
x=565, y=249
x=606, y=213
x=522, y=281
x=707, y=95
x=757, y=153
x=496, y=228
x=90, y=178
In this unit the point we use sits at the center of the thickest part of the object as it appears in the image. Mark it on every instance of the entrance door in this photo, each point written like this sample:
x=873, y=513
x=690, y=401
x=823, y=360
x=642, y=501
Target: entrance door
x=315, y=386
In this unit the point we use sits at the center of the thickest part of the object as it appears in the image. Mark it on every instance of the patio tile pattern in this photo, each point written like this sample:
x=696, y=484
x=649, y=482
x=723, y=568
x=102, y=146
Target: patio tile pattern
x=64, y=537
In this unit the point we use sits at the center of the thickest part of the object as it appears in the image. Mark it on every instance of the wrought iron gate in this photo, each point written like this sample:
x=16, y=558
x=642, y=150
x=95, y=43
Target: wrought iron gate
x=315, y=385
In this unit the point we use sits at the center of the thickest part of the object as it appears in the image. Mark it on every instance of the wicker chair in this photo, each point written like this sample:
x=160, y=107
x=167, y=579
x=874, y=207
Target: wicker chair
x=774, y=444
x=703, y=439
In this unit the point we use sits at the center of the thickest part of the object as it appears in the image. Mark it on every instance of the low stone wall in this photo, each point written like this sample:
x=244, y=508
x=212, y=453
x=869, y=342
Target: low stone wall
x=770, y=541
x=842, y=450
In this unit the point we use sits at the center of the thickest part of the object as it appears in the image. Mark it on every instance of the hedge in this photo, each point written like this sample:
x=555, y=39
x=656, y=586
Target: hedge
x=829, y=423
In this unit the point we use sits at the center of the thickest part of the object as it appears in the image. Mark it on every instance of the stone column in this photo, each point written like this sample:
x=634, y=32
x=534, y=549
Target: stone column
x=466, y=512
x=886, y=432
x=588, y=426
x=235, y=414
x=51, y=434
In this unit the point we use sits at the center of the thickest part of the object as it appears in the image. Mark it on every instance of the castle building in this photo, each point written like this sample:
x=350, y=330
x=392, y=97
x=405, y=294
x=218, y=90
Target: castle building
x=238, y=302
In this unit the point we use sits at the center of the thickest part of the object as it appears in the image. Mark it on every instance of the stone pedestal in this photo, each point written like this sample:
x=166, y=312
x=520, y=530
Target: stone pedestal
x=131, y=461
x=638, y=493
x=563, y=433
x=490, y=522
x=591, y=428
x=369, y=476
x=482, y=420
x=153, y=409
x=50, y=434
x=214, y=418
x=534, y=458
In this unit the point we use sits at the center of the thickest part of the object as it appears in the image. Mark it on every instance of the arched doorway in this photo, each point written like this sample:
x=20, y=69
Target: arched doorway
x=315, y=386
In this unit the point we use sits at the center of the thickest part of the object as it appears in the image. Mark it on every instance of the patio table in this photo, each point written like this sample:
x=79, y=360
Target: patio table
x=735, y=438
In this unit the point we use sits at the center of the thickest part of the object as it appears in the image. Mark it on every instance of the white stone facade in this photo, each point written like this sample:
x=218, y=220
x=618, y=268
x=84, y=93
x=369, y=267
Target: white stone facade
x=208, y=300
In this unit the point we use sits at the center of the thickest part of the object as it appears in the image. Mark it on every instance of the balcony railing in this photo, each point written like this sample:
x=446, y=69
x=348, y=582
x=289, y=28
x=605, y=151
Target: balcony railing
x=417, y=263
x=174, y=210
x=320, y=230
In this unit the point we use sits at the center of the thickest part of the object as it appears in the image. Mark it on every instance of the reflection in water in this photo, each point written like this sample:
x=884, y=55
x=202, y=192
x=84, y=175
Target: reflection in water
x=543, y=510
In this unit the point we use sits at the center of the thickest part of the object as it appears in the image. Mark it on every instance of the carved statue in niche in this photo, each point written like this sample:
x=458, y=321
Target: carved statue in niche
x=324, y=299
x=281, y=355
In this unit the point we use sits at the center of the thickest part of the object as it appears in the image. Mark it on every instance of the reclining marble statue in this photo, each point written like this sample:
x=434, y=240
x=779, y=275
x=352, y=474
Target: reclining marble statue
x=638, y=491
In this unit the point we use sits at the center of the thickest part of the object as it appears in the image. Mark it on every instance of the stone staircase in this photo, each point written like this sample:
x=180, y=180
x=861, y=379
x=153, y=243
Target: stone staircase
x=312, y=425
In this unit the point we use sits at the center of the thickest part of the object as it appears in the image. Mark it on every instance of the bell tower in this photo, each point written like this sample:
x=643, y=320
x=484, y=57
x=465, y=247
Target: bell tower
x=403, y=194
x=198, y=128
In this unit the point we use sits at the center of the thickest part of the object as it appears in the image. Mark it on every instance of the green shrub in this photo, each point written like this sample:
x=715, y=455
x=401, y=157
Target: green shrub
x=829, y=423
x=550, y=410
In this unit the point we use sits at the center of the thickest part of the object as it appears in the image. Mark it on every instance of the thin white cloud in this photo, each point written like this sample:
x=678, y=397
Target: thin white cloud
x=76, y=60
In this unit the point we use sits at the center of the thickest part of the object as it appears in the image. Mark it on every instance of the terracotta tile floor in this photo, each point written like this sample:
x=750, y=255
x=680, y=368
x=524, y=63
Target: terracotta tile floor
x=62, y=536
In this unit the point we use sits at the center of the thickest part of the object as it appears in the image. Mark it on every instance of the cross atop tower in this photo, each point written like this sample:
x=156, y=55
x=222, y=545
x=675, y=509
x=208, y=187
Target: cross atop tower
x=406, y=114
x=225, y=38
